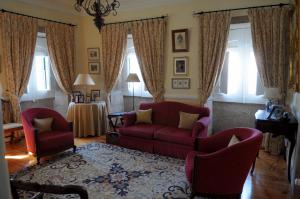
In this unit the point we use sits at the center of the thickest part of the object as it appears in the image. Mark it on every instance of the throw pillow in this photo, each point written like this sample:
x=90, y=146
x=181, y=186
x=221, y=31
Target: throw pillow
x=187, y=120
x=234, y=140
x=144, y=116
x=43, y=125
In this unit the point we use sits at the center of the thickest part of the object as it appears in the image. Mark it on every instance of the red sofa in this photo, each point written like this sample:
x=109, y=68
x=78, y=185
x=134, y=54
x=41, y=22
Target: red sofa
x=45, y=143
x=163, y=136
x=216, y=170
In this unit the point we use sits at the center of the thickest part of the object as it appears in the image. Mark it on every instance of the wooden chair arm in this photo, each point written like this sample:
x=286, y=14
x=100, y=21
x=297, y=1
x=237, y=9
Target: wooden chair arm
x=53, y=189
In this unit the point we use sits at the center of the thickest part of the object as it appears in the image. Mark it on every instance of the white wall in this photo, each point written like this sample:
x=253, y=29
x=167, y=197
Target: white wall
x=179, y=16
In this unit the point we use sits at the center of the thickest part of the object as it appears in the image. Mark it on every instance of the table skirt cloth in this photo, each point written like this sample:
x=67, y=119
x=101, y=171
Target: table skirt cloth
x=89, y=119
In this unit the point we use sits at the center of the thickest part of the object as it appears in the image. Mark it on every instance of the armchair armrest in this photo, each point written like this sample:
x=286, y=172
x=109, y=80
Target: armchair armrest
x=129, y=118
x=200, y=127
x=42, y=188
x=70, y=126
x=212, y=143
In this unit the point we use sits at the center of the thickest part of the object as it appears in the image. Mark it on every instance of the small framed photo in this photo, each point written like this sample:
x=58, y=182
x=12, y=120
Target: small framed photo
x=95, y=95
x=180, y=40
x=94, y=67
x=93, y=54
x=276, y=113
x=181, y=83
x=74, y=96
x=80, y=98
x=181, y=66
x=87, y=99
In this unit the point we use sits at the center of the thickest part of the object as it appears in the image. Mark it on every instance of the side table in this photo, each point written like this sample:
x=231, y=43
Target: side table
x=278, y=127
x=116, y=116
x=89, y=119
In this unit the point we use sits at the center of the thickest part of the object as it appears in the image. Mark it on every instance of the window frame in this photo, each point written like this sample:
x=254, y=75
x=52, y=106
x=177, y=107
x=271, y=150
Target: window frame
x=242, y=97
x=36, y=94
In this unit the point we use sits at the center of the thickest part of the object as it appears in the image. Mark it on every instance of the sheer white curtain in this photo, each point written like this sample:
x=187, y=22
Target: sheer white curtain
x=131, y=65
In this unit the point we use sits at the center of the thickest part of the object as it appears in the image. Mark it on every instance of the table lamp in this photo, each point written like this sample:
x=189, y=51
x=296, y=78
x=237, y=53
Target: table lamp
x=272, y=94
x=84, y=80
x=132, y=77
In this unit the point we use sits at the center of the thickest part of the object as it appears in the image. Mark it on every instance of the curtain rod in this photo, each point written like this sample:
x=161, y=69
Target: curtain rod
x=2, y=10
x=137, y=20
x=245, y=8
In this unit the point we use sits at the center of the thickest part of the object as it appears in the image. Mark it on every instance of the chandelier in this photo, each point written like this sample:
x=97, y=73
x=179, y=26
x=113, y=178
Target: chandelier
x=98, y=10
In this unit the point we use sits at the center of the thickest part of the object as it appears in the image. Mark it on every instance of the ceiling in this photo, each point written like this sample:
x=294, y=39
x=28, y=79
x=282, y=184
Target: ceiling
x=126, y=5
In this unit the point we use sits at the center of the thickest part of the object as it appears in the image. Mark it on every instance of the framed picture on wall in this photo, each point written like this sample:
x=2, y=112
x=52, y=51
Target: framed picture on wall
x=95, y=95
x=181, y=83
x=93, y=54
x=94, y=67
x=180, y=40
x=181, y=66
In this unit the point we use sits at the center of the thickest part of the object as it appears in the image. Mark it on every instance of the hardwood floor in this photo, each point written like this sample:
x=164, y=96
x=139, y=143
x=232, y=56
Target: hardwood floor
x=268, y=181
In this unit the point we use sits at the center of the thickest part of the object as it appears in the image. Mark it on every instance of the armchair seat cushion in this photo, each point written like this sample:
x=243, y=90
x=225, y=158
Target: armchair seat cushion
x=175, y=135
x=55, y=140
x=145, y=131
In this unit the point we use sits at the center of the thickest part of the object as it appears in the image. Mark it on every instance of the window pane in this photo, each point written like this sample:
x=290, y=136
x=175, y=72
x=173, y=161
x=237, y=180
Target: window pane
x=42, y=73
x=239, y=80
x=39, y=81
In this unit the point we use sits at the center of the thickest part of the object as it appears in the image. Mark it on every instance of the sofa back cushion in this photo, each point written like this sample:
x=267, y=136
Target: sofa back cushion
x=167, y=113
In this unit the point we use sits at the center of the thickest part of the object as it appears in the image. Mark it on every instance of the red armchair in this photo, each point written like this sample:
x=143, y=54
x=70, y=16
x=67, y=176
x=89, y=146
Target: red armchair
x=218, y=170
x=45, y=143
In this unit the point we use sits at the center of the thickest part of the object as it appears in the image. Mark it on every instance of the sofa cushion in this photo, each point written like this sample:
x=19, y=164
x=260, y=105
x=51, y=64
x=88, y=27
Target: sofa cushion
x=175, y=135
x=44, y=124
x=234, y=140
x=145, y=131
x=187, y=120
x=144, y=116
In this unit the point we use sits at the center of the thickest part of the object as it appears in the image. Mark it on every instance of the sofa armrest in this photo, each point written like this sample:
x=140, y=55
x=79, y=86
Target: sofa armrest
x=201, y=127
x=129, y=118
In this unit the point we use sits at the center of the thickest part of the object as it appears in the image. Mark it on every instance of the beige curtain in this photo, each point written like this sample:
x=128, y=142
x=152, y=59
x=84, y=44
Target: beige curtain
x=114, y=41
x=270, y=34
x=149, y=42
x=214, y=30
x=18, y=39
x=61, y=47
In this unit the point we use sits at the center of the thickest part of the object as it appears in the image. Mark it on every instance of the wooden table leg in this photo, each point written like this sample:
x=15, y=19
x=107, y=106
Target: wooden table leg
x=111, y=124
x=290, y=158
x=253, y=165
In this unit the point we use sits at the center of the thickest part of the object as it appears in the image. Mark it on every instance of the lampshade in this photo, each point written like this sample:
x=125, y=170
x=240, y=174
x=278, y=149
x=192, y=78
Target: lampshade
x=272, y=93
x=84, y=79
x=132, y=77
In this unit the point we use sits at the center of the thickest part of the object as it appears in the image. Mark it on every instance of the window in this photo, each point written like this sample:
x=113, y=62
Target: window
x=239, y=80
x=39, y=85
x=131, y=65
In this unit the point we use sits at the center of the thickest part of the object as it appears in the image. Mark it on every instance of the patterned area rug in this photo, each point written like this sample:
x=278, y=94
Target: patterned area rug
x=112, y=172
